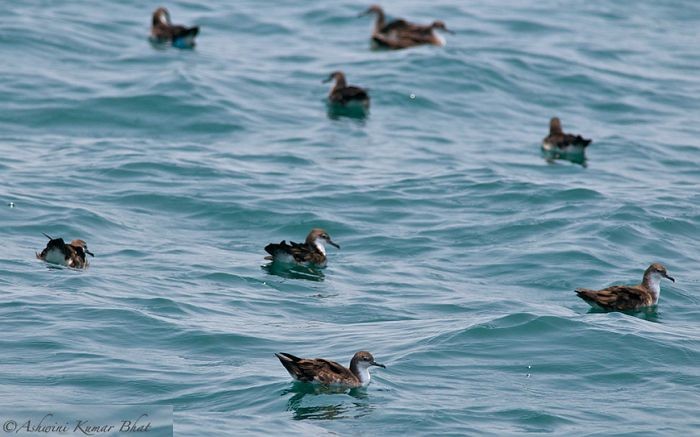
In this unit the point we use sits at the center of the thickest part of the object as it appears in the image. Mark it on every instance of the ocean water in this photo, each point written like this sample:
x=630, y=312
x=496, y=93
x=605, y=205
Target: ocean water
x=461, y=244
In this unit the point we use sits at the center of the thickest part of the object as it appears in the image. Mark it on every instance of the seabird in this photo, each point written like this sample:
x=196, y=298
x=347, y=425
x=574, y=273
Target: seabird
x=400, y=34
x=557, y=140
x=326, y=372
x=163, y=31
x=628, y=297
x=344, y=95
x=311, y=252
x=69, y=255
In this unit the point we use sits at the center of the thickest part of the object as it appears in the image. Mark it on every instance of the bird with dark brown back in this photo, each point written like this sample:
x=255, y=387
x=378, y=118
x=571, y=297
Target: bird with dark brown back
x=346, y=95
x=557, y=140
x=401, y=34
x=310, y=253
x=326, y=372
x=628, y=297
x=164, y=31
x=69, y=255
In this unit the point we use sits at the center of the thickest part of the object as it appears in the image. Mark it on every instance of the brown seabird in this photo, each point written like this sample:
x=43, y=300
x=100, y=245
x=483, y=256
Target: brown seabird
x=326, y=372
x=344, y=94
x=163, y=31
x=69, y=255
x=401, y=34
x=628, y=297
x=557, y=140
x=312, y=252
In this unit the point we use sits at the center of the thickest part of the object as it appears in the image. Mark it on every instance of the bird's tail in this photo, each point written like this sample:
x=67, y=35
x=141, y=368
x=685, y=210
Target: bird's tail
x=586, y=294
x=273, y=249
x=289, y=362
x=186, y=38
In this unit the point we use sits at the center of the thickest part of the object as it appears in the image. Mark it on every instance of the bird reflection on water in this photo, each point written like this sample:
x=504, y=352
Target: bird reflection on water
x=292, y=271
x=650, y=314
x=342, y=404
x=574, y=157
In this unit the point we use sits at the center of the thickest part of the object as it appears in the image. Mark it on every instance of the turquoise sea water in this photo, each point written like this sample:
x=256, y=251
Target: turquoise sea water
x=461, y=245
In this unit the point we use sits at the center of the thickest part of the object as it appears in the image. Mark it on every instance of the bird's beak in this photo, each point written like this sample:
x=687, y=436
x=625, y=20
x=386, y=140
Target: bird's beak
x=89, y=253
x=333, y=244
x=328, y=79
x=451, y=32
x=670, y=278
x=362, y=14
x=47, y=236
x=374, y=363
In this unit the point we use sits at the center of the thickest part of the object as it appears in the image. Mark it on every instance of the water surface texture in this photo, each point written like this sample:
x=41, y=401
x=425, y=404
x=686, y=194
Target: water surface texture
x=461, y=245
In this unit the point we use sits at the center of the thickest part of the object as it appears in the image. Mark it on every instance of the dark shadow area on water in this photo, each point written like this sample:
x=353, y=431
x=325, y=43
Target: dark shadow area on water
x=306, y=403
x=649, y=314
x=165, y=45
x=574, y=157
x=294, y=271
x=355, y=112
